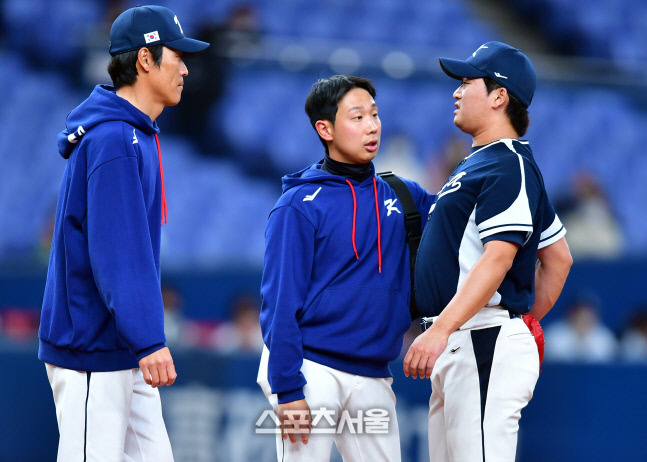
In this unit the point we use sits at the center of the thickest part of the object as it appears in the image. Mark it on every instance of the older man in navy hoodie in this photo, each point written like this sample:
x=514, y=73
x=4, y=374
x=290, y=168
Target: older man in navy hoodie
x=102, y=326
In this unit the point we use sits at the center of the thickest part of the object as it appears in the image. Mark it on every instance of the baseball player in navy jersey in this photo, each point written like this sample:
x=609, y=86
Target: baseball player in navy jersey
x=492, y=250
x=336, y=285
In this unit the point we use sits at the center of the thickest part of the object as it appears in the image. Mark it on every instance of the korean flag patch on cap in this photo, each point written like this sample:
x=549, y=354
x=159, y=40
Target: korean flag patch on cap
x=152, y=37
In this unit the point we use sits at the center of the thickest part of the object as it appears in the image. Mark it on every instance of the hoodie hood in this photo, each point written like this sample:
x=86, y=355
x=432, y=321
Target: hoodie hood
x=103, y=105
x=314, y=174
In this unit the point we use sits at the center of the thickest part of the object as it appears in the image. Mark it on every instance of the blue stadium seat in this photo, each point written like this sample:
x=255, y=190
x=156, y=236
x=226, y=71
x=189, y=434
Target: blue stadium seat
x=262, y=116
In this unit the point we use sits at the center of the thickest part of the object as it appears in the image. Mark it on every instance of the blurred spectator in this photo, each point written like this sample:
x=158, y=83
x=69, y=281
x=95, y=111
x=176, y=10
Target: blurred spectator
x=633, y=342
x=237, y=35
x=95, y=59
x=174, y=323
x=581, y=336
x=243, y=332
x=398, y=155
x=453, y=151
x=198, y=333
x=593, y=230
x=19, y=324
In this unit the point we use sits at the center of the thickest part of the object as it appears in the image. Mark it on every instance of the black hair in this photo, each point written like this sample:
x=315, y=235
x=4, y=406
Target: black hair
x=325, y=94
x=123, y=67
x=516, y=111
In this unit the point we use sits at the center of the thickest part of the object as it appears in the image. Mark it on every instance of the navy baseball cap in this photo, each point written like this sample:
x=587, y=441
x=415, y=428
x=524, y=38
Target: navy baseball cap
x=508, y=66
x=148, y=25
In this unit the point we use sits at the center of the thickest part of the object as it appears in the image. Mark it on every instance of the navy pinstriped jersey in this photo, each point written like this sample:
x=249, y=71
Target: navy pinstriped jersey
x=497, y=193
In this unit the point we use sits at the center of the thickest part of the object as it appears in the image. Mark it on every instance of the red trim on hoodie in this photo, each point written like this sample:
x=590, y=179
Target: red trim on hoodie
x=159, y=157
x=379, y=234
x=379, y=228
x=352, y=190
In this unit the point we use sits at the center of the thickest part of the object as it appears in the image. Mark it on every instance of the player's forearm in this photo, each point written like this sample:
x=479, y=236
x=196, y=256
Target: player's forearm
x=549, y=282
x=482, y=281
x=554, y=264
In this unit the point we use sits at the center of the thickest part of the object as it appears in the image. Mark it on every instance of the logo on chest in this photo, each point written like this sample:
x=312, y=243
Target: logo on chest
x=390, y=206
x=452, y=185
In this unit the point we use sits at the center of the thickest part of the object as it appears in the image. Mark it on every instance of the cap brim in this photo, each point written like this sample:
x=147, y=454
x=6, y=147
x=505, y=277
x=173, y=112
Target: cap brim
x=188, y=46
x=457, y=69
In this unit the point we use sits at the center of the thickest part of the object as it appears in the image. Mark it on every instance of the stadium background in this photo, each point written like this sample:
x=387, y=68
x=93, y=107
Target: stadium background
x=241, y=126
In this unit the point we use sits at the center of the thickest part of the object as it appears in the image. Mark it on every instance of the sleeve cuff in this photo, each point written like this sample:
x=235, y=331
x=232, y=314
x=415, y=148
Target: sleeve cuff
x=289, y=396
x=142, y=353
x=510, y=236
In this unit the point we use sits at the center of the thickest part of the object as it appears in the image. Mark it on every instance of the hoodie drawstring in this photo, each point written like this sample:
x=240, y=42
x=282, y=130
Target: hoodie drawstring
x=379, y=234
x=377, y=214
x=159, y=157
x=352, y=190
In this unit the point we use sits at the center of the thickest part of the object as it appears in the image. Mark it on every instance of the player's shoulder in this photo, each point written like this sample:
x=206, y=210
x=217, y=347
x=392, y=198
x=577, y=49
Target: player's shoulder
x=113, y=136
x=297, y=194
x=503, y=154
x=307, y=199
x=109, y=141
x=299, y=201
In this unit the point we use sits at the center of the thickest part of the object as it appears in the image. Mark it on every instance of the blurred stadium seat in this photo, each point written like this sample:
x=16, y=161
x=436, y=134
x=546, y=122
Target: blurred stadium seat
x=217, y=210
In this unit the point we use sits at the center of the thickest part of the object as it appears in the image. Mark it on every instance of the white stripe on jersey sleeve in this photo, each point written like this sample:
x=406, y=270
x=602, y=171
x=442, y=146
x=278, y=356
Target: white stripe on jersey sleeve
x=554, y=233
x=517, y=217
x=469, y=251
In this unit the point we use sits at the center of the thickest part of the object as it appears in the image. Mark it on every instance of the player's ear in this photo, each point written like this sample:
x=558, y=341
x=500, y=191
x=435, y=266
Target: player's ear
x=500, y=97
x=325, y=129
x=145, y=59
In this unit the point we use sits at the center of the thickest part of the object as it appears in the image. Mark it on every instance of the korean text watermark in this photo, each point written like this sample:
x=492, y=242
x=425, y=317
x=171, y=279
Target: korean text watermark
x=326, y=421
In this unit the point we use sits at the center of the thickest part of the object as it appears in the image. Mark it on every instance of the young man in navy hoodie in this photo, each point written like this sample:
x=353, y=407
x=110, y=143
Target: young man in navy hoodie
x=102, y=329
x=336, y=287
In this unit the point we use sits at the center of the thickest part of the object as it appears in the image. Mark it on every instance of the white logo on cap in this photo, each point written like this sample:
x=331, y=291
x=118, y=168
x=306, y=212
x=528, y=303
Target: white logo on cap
x=477, y=50
x=178, y=24
x=152, y=37
x=500, y=76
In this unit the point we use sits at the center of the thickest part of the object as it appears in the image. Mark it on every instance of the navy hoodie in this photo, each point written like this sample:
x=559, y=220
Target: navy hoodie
x=102, y=306
x=336, y=278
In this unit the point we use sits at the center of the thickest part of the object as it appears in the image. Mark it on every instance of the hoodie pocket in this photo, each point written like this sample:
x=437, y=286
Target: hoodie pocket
x=363, y=322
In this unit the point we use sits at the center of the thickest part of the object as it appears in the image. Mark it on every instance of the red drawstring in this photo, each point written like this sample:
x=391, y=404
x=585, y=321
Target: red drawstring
x=159, y=157
x=354, y=216
x=379, y=234
x=377, y=214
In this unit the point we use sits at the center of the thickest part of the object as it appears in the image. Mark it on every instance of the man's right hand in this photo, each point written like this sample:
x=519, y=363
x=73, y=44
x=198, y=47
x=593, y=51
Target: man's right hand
x=295, y=418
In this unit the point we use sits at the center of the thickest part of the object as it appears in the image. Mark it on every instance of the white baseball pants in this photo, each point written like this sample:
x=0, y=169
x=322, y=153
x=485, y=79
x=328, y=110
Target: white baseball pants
x=349, y=396
x=480, y=384
x=108, y=417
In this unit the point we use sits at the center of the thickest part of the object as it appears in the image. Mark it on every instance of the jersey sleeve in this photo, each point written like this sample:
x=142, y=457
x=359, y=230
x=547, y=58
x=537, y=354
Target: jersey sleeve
x=552, y=228
x=289, y=256
x=504, y=204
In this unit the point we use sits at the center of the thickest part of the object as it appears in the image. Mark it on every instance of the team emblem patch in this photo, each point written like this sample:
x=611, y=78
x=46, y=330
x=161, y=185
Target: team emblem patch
x=152, y=37
x=390, y=206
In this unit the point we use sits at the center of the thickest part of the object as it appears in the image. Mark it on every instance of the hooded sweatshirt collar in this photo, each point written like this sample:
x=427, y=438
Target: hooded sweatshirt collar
x=315, y=173
x=103, y=105
x=357, y=172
